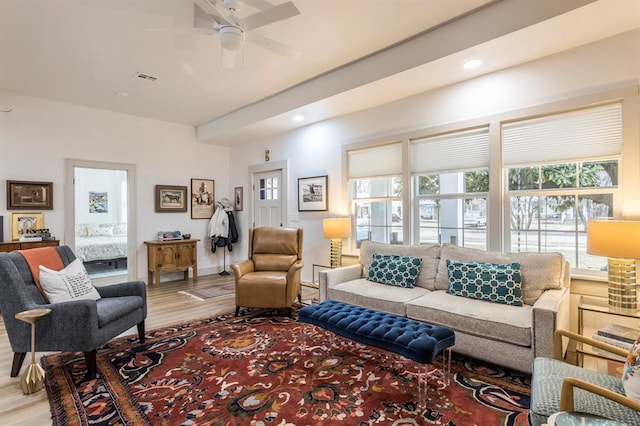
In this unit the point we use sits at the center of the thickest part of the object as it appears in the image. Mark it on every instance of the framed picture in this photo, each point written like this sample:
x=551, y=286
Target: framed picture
x=98, y=202
x=170, y=199
x=22, y=223
x=237, y=198
x=202, y=198
x=24, y=195
x=312, y=194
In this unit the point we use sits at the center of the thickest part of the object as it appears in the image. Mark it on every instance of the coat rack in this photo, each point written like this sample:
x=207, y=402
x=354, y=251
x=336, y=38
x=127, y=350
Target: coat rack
x=224, y=261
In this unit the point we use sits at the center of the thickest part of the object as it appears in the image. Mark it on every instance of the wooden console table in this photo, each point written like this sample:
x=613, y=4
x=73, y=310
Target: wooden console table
x=24, y=245
x=170, y=256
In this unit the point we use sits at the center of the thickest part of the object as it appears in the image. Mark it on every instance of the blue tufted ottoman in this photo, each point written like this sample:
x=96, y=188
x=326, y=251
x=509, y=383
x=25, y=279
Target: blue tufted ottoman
x=415, y=340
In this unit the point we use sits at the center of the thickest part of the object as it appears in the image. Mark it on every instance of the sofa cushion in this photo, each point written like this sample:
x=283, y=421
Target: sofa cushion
x=493, y=282
x=539, y=271
x=429, y=253
x=395, y=270
x=362, y=292
x=511, y=324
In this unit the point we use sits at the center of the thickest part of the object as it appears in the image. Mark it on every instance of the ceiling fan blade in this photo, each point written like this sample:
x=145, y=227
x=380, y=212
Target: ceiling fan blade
x=200, y=17
x=207, y=9
x=276, y=13
x=272, y=45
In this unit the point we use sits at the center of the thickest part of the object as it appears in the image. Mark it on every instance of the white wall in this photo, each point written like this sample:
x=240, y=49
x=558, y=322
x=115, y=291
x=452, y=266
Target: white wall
x=98, y=180
x=317, y=149
x=39, y=134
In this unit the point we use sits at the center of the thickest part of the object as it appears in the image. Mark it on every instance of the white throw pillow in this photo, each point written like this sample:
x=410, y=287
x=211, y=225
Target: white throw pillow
x=100, y=231
x=68, y=284
x=631, y=372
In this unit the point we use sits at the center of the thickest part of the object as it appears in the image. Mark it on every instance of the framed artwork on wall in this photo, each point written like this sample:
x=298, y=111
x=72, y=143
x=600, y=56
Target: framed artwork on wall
x=98, y=202
x=171, y=199
x=22, y=223
x=312, y=194
x=237, y=198
x=26, y=195
x=202, y=198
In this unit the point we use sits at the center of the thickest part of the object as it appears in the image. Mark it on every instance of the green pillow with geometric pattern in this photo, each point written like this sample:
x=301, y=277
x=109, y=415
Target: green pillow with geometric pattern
x=493, y=282
x=396, y=270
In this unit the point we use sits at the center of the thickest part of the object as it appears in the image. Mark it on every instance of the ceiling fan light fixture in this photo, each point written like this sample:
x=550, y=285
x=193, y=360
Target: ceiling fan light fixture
x=231, y=38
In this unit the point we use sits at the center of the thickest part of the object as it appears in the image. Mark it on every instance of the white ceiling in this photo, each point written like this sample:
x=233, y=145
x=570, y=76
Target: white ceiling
x=88, y=52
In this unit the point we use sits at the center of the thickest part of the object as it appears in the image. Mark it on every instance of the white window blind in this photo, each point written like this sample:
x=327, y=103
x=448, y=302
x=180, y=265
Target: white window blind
x=587, y=133
x=378, y=161
x=451, y=152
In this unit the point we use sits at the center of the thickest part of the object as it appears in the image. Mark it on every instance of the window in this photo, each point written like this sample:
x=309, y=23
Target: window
x=576, y=179
x=268, y=188
x=375, y=194
x=450, y=190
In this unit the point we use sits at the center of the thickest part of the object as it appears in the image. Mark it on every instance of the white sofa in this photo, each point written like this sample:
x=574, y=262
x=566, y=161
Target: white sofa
x=507, y=335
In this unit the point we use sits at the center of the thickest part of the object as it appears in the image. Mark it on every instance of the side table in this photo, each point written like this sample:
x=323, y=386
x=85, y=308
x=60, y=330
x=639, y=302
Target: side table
x=315, y=283
x=598, y=305
x=33, y=379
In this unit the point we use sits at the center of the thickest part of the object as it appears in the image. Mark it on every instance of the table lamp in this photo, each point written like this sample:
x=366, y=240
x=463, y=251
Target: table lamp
x=336, y=229
x=619, y=240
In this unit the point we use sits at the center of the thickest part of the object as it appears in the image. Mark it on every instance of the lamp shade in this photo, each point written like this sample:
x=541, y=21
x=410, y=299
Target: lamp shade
x=336, y=227
x=614, y=238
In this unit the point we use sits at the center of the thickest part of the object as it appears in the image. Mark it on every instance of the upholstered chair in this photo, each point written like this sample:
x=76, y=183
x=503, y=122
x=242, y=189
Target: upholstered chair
x=75, y=325
x=559, y=386
x=270, y=277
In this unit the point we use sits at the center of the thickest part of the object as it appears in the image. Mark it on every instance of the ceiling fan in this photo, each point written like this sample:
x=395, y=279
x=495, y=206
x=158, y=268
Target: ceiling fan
x=220, y=16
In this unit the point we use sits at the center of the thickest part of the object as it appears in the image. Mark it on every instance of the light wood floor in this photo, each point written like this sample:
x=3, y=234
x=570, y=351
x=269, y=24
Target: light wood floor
x=165, y=306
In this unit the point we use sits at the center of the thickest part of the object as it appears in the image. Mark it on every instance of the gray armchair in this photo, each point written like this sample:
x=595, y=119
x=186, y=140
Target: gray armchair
x=553, y=382
x=78, y=325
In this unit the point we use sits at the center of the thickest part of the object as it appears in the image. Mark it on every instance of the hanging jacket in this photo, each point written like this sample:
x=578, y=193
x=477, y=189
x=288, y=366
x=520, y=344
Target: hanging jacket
x=222, y=226
x=219, y=223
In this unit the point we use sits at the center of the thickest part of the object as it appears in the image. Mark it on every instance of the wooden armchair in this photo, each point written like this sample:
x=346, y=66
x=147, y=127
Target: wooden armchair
x=270, y=278
x=558, y=386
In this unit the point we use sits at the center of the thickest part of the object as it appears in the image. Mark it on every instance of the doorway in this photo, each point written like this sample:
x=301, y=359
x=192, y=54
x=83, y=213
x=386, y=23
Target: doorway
x=99, y=226
x=269, y=194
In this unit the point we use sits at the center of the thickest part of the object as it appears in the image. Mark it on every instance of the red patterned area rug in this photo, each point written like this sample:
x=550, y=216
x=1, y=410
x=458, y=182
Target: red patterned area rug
x=258, y=369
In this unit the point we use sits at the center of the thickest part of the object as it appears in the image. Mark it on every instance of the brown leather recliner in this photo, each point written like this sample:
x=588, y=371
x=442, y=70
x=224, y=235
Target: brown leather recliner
x=270, y=278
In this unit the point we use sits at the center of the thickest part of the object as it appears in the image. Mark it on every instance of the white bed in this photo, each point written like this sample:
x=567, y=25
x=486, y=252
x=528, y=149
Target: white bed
x=101, y=242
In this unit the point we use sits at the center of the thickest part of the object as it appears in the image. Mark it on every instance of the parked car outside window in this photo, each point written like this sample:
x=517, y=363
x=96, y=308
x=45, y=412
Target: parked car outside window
x=475, y=218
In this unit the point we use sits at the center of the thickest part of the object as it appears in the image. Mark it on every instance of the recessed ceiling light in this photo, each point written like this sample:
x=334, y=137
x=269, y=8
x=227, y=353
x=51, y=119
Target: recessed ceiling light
x=298, y=117
x=472, y=63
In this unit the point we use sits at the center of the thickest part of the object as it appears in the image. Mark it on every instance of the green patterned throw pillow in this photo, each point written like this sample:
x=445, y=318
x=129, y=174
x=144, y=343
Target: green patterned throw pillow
x=500, y=283
x=396, y=270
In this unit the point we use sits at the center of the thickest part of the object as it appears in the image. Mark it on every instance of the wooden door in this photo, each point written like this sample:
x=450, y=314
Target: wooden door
x=267, y=198
x=185, y=255
x=167, y=257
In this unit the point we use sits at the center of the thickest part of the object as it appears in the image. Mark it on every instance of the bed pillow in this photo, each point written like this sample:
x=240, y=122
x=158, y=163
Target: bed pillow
x=70, y=283
x=395, y=270
x=82, y=231
x=493, y=282
x=100, y=231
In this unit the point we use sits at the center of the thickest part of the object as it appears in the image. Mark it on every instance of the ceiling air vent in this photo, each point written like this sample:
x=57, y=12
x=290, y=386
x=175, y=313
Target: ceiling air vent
x=146, y=76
